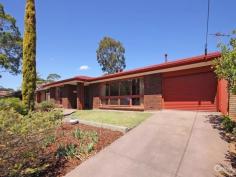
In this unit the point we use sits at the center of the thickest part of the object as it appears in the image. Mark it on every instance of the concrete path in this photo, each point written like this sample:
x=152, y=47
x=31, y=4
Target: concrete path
x=169, y=144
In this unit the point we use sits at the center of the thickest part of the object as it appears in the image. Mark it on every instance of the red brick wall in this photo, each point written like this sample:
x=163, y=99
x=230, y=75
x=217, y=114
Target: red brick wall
x=232, y=106
x=69, y=96
x=223, y=97
x=153, y=92
x=152, y=102
x=80, y=96
x=96, y=102
x=52, y=94
x=94, y=91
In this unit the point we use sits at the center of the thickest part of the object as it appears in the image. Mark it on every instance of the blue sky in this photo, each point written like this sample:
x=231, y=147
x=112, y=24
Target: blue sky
x=68, y=31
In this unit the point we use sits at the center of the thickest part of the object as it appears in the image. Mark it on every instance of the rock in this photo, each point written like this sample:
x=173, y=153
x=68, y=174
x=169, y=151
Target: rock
x=73, y=121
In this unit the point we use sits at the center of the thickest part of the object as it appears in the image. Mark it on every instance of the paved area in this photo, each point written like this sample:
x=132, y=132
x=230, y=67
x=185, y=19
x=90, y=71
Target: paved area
x=169, y=144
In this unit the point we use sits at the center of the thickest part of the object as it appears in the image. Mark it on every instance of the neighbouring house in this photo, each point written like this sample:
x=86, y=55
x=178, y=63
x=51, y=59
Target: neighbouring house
x=186, y=84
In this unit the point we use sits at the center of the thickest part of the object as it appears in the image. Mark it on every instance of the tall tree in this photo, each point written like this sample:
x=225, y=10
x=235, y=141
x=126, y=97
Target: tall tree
x=53, y=77
x=111, y=55
x=10, y=44
x=29, y=56
x=225, y=66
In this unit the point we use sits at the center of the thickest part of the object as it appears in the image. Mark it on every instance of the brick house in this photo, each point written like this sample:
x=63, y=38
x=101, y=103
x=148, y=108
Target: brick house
x=186, y=84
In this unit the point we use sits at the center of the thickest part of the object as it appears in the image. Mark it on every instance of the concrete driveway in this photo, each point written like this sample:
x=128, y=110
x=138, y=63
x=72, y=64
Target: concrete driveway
x=169, y=144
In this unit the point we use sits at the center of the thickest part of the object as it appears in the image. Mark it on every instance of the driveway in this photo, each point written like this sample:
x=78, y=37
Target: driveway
x=169, y=144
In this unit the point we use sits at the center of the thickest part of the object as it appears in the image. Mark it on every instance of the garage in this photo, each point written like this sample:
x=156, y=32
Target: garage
x=190, y=90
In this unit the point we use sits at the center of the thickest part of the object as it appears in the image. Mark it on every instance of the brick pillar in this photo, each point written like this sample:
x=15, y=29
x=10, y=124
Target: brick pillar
x=52, y=94
x=38, y=97
x=96, y=102
x=153, y=92
x=65, y=93
x=80, y=96
x=232, y=106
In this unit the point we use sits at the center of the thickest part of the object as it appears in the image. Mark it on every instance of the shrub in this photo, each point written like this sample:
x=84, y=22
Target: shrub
x=78, y=134
x=46, y=106
x=234, y=131
x=22, y=142
x=67, y=151
x=13, y=103
x=228, y=124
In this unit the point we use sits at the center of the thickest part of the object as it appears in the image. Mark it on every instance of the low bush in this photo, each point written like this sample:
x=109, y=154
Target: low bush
x=228, y=124
x=22, y=142
x=13, y=103
x=46, y=106
x=67, y=151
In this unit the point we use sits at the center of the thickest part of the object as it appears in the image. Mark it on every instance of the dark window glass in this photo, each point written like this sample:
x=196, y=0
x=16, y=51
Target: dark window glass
x=135, y=87
x=125, y=88
x=114, y=89
x=125, y=101
x=107, y=89
x=135, y=101
x=104, y=101
x=113, y=101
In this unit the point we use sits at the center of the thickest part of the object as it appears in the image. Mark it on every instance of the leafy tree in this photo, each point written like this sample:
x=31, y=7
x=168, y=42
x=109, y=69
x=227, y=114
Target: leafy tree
x=29, y=56
x=53, y=77
x=10, y=44
x=225, y=66
x=39, y=80
x=110, y=55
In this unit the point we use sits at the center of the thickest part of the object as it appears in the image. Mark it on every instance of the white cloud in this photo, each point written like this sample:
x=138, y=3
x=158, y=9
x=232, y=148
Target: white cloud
x=83, y=67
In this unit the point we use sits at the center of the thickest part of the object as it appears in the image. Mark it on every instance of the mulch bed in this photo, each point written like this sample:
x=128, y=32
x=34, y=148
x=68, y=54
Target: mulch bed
x=63, y=165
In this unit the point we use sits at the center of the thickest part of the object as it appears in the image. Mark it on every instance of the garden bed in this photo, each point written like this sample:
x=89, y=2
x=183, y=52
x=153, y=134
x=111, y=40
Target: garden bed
x=65, y=135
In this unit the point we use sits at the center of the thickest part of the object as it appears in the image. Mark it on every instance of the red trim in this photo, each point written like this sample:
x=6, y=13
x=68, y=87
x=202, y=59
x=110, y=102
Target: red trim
x=186, y=61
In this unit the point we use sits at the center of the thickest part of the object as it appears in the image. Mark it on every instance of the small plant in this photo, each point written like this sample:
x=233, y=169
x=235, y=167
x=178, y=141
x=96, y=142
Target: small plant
x=93, y=136
x=234, y=131
x=68, y=151
x=228, y=124
x=49, y=140
x=90, y=147
x=78, y=134
x=46, y=106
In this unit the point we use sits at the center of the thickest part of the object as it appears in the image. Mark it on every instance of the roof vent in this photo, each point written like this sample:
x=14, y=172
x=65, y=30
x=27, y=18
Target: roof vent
x=166, y=60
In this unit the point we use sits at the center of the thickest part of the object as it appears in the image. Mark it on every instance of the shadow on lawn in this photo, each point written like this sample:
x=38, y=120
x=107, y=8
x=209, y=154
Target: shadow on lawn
x=215, y=121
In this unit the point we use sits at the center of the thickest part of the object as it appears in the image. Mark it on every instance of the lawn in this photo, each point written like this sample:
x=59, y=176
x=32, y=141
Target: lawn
x=120, y=118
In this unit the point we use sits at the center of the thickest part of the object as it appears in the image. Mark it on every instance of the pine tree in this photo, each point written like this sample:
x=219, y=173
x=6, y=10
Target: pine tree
x=29, y=56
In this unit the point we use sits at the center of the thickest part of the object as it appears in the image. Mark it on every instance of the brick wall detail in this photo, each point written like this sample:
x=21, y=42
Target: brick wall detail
x=232, y=106
x=80, y=96
x=96, y=102
x=153, y=92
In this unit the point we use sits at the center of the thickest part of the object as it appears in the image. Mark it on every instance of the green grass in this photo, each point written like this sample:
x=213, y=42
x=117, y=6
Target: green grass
x=126, y=119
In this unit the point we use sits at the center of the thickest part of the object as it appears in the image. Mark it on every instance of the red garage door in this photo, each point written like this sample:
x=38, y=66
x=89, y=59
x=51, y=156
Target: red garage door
x=190, y=92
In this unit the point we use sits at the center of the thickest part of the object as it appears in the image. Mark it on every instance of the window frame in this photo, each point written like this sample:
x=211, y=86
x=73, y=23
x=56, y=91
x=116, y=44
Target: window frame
x=119, y=97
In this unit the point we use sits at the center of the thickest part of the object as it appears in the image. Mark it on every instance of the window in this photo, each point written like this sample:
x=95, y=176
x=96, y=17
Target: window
x=135, y=101
x=125, y=87
x=125, y=101
x=114, y=89
x=104, y=101
x=114, y=101
x=125, y=92
x=107, y=90
x=135, y=86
